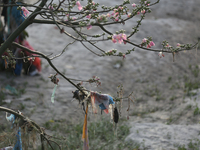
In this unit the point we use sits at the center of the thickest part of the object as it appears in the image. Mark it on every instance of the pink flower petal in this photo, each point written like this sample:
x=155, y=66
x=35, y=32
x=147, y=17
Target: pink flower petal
x=143, y=11
x=133, y=4
x=152, y=43
x=89, y=16
x=25, y=11
x=178, y=45
x=79, y=5
x=144, y=40
x=89, y=27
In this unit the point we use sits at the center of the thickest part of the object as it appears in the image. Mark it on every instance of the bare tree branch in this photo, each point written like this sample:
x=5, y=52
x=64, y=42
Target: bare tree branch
x=50, y=63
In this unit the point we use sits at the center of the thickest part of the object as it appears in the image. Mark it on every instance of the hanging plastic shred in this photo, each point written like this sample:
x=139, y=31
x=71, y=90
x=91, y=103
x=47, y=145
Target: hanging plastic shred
x=11, y=118
x=53, y=94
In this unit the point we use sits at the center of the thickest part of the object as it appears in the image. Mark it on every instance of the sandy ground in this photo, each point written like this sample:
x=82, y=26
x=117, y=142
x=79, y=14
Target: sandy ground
x=160, y=111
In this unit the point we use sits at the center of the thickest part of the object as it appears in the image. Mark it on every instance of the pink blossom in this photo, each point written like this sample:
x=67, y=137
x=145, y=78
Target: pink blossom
x=138, y=12
x=116, y=19
x=50, y=7
x=88, y=16
x=129, y=15
x=110, y=52
x=133, y=4
x=144, y=40
x=160, y=54
x=167, y=45
x=124, y=56
x=120, y=7
x=116, y=14
x=89, y=27
x=148, y=46
x=114, y=37
x=79, y=5
x=73, y=18
x=108, y=15
x=25, y=11
x=146, y=3
x=67, y=15
x=120, y=38
x=93, y=2
x=100, y=18
x=124, y=36
x=178, y=44
x=143, y=11
x=152, y=43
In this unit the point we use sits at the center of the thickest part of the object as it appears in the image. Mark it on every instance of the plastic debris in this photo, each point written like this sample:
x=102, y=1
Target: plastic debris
x=11, y=118
x=11, y=89
x=18, y=145
x=53, y=94
x=102, y=100
x=55, y=80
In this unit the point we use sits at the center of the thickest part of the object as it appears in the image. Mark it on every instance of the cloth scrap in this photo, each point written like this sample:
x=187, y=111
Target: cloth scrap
x=18, y=145
x=11, y=118
x=102, y=100
x=85, y=132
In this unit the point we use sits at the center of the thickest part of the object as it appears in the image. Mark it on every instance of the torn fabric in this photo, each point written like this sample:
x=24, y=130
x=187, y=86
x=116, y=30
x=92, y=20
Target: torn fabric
x=102, y=100
x=85, y=132
x=18, y=145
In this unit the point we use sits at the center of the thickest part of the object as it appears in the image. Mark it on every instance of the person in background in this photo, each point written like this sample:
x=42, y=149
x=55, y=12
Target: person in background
x=12, y=19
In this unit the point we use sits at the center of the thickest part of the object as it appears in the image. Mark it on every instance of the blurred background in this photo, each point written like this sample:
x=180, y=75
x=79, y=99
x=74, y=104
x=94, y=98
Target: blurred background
x=166, y=93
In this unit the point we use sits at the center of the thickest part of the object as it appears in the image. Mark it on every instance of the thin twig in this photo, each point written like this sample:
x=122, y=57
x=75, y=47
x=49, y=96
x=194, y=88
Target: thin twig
x=62, y=50
x=91, y=50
